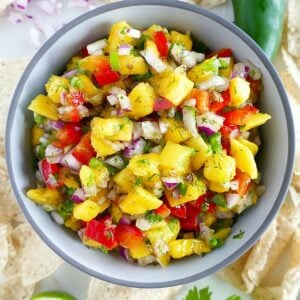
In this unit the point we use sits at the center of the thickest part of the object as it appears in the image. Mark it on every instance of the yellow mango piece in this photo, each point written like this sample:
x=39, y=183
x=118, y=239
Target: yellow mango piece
x=114, y=129
x=73, y=63
x=44, y=106
x=71, y=182
x=90, y=63
x=142, y=99
x=175, y=158
x=125, y=180
x=138, y=201
x=219, y=168
x=118, y=36
x=219, y=187
x=45, y=196
x=164, y=230
x=84, y=84
x=183, y=39
x=164, y=260
x=256, y=120
x=251, y=146
x=91, y=243
x=185, y=247
x=203, y=151
x=176, y=132
x=93, y=176
x=103, y=147
x=244, y=158
x=139, y=251
x=204, y=71
x=115, y=213
x=193, y=192
x=239, y=90
x=73, y=224
x=86, y=211
x=172, y=85
x=145, y=165
x=132, y=65
x=209, y=219
x=55, y=86
x=37, y=133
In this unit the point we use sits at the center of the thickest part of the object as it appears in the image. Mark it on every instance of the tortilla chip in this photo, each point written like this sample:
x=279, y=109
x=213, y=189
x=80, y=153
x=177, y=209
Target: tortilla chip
x=110, y=291
x=34, y=260
x=294, y=27
x=268, y=293
x=3, y=246
x=233, y=272
x=255, y=267
x=13, y=289
x=209, y=3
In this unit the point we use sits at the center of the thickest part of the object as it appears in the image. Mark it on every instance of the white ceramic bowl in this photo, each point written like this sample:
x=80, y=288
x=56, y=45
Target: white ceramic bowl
x=277, y=154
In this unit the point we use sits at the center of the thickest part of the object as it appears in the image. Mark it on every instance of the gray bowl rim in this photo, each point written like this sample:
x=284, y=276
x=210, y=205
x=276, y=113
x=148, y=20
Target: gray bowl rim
x=251, y=43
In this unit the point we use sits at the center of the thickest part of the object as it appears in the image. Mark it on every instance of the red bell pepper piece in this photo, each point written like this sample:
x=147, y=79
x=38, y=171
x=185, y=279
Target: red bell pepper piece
x=103, y=232
x=179, y=211
x=161, y=104
x=128, y=236
x=229, y=131
x=239, y=116
x=216, y=106
x=161, y=43
x=50, y=173
x=69, y=135
x=202, y=100
x=163, y=211
x=224, y=52
x=84, y=150
x=104, y=73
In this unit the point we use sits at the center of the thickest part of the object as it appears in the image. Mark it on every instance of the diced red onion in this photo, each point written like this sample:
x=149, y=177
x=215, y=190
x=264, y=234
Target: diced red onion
x=135, y=148
x=56, y=125
x=151, y=130
x=170, y=182
x=112, y=99
x=15, y=17
x=20, y=5
x=78, y=196
x=68, y=160
x=115, y=161
x=53, y=154
x=240, y=70
x=134, y=33
x=143, y=224
x=125, y=220
x=154, y=61
x=124, y=49
x=205, y=232
x=218, y=83
x=163, y=126
x=234, y=185
x=83, y=111
x=176, y=194
x=125, y=102
x=208, y=131
x=143, y=261
x=90, y=191
x=96, y=48
x=137, y=130
x=40, y=168
x=81, y=233
x=125, y=254
x=57, y=218
x=232, y=199
x=210, y=120
x=190, y=102
x=46, y=6
x=69, y=74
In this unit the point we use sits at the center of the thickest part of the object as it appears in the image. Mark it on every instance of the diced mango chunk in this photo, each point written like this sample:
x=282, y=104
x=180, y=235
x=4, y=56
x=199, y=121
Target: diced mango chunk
x=132, y=65
x=86, y=210
x=239, y=91
x=145, y=165
x=251, y=146
x=125, y=180
x=103, y=147
x=45, y=196
x=256, y=120
x=55, y=86
x=183, y=39
x=140, y=251
x=44, y=106
x=138, y=201
x=176, y=132
x=37, y=133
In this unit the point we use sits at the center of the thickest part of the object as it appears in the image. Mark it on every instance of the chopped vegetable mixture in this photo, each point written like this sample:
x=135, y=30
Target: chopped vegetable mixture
x=146, y=144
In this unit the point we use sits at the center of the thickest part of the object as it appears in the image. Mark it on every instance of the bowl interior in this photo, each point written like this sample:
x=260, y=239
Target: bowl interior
x=277, y=150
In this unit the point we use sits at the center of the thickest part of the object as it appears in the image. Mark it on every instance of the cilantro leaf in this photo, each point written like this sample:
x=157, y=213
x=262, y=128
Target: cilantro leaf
x=153, y=218
x=182, y=187
x=138, y=182
x=239, y=236
x=234, y=297
x=66, y=209
x=195, y=294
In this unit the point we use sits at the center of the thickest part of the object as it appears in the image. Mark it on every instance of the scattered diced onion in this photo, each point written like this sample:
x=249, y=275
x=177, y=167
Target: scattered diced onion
x=232, y=200
x=151, y=130
x=125, y=220
x=125, y=254
x=134, y=33
x=143, y=224
x=96, y=48
x=57, y=217
x=218, y=83
x=154, y=61
x=53, y=154
x=206, y=130
x=78, y=196
x=124, y=49
x=135, y=148
x=68, y=160
x=170, y=182
x=69, y=74
x=115, y=161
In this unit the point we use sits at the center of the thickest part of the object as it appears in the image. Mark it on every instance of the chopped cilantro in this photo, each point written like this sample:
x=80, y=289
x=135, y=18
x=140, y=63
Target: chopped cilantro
x=201, y=47
x=143, y=77
x=138, y=181
x=216, y=242
x=85, y=72
x=66, y=209
x=76, y=82
x=178, y=115
x=219, y=200
x=95, y=162
x=121, y=126
x=40, y=151
x=153, y=218
x=239, y=236
x=147, y=147
x=204, y=206
x=141, y=42
x=173, y=224
x=182, y=187
x=103, y=249
x=38, y=119
x=234, y=297
x=196, y=294
x=70, y=191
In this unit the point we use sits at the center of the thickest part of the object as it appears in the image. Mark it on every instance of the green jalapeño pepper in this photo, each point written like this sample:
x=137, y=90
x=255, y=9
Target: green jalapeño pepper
x=262, y=20
x=53, y=295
